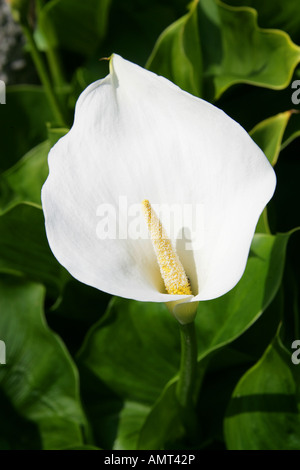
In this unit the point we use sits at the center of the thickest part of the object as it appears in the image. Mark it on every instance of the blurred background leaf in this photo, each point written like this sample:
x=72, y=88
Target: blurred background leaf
x=73, y=25
x=23, y=122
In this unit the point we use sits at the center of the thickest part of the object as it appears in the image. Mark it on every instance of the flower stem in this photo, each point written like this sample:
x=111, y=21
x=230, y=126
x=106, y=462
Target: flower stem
x=187, y=373
x=42, y=71
x=55, y=67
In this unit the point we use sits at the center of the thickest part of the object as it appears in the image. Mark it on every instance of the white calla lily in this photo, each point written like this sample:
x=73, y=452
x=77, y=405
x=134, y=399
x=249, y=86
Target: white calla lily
x=136, y=134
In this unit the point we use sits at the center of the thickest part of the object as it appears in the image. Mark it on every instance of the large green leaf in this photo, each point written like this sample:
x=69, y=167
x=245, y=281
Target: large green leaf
x=73, y=24
x=264, y=413
x=275, y=14
x=137, y=354
x=24, y=247
x=23, y=244
x=39, y=379
x=134, y=350
x=234, y=49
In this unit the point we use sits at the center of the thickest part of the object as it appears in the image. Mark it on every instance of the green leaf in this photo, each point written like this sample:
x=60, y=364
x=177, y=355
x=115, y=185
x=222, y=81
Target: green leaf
x=234, y=49
x=23, y=122
x=133, y=333
x=227, y=366
x=222, y=320
x=73, y=25
x=268, y=135
x=103, y=408
x=173, y=56
x=273, y=14
x=138, y=344
x=163, y=424
x=131, y=420
x=39, y=378
x=272, y=135
x=27, y=435
x=23, y=182
x=264, y=412
x=24, y=247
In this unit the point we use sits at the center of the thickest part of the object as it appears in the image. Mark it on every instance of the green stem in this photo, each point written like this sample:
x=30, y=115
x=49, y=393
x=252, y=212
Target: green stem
x=188, y=365
x=55, y=67
x=42, y=72
x=53, y=58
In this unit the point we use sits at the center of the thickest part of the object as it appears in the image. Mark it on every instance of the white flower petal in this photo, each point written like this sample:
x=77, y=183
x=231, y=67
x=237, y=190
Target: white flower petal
x=138, y=135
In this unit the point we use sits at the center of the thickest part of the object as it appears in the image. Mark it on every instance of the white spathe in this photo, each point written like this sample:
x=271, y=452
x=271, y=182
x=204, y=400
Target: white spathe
x=136, y=134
